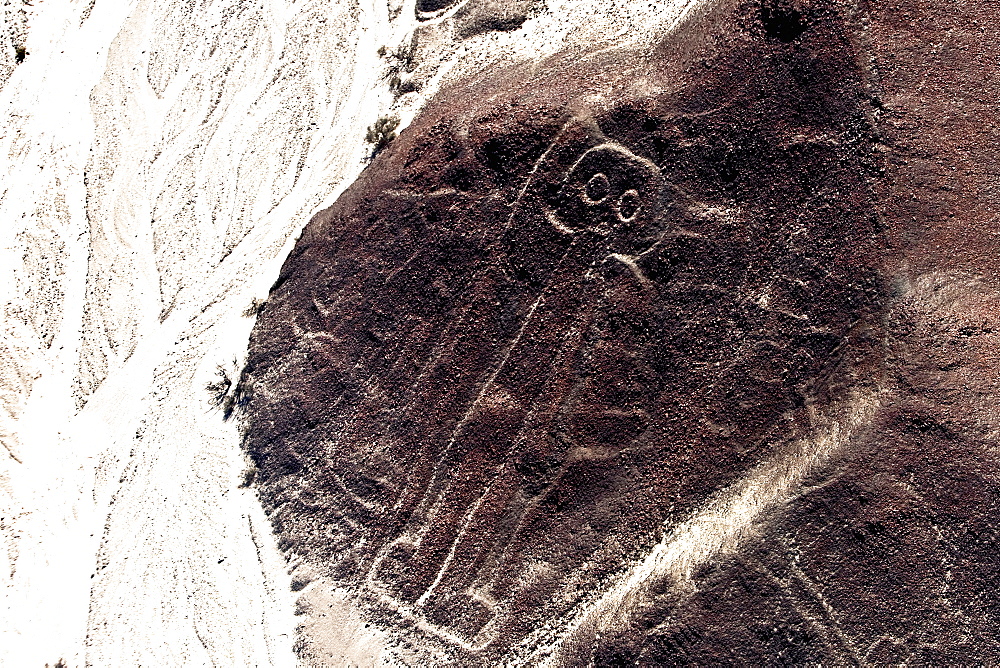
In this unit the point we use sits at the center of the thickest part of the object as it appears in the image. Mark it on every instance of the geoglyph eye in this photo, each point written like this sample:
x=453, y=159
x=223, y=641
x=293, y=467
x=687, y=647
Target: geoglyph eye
x=629, y=205
x=597, y=188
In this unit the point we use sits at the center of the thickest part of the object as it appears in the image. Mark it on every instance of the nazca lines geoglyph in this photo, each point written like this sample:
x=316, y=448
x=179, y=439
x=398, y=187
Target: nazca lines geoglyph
x=607, y=196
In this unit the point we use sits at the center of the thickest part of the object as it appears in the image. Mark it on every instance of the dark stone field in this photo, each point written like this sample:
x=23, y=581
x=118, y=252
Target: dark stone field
x=575, y=304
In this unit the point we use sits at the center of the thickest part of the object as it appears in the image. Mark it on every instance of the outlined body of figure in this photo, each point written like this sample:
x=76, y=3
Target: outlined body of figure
x=575, y=230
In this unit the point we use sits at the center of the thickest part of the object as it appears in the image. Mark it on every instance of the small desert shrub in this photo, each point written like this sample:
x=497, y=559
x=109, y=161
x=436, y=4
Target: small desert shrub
x=256, y=308
x=19, y=53
x=226, y=395
x=301, y=648
x=381, y=133
x=249, y=476
x=398, y=86
x=404, y=57
x=403, y=60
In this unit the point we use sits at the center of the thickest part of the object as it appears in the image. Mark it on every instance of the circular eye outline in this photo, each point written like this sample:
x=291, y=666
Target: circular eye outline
x=633, y=201
x=598, y=180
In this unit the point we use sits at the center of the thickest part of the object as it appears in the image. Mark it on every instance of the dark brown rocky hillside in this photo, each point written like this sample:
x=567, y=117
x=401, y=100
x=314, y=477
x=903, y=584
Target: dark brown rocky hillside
x=576, y=303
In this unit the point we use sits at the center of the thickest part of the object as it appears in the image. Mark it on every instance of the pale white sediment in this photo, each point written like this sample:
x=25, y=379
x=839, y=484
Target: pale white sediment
x=161, y=157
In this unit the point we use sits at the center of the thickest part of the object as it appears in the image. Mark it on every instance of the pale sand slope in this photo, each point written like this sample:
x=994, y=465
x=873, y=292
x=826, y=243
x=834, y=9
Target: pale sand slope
x=159, y=159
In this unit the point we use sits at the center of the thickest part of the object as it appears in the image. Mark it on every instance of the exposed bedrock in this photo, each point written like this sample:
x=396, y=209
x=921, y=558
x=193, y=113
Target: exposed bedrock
x=581, y=310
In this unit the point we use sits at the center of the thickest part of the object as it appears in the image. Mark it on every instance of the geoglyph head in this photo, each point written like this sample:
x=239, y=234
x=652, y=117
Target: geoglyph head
x=608, y=190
